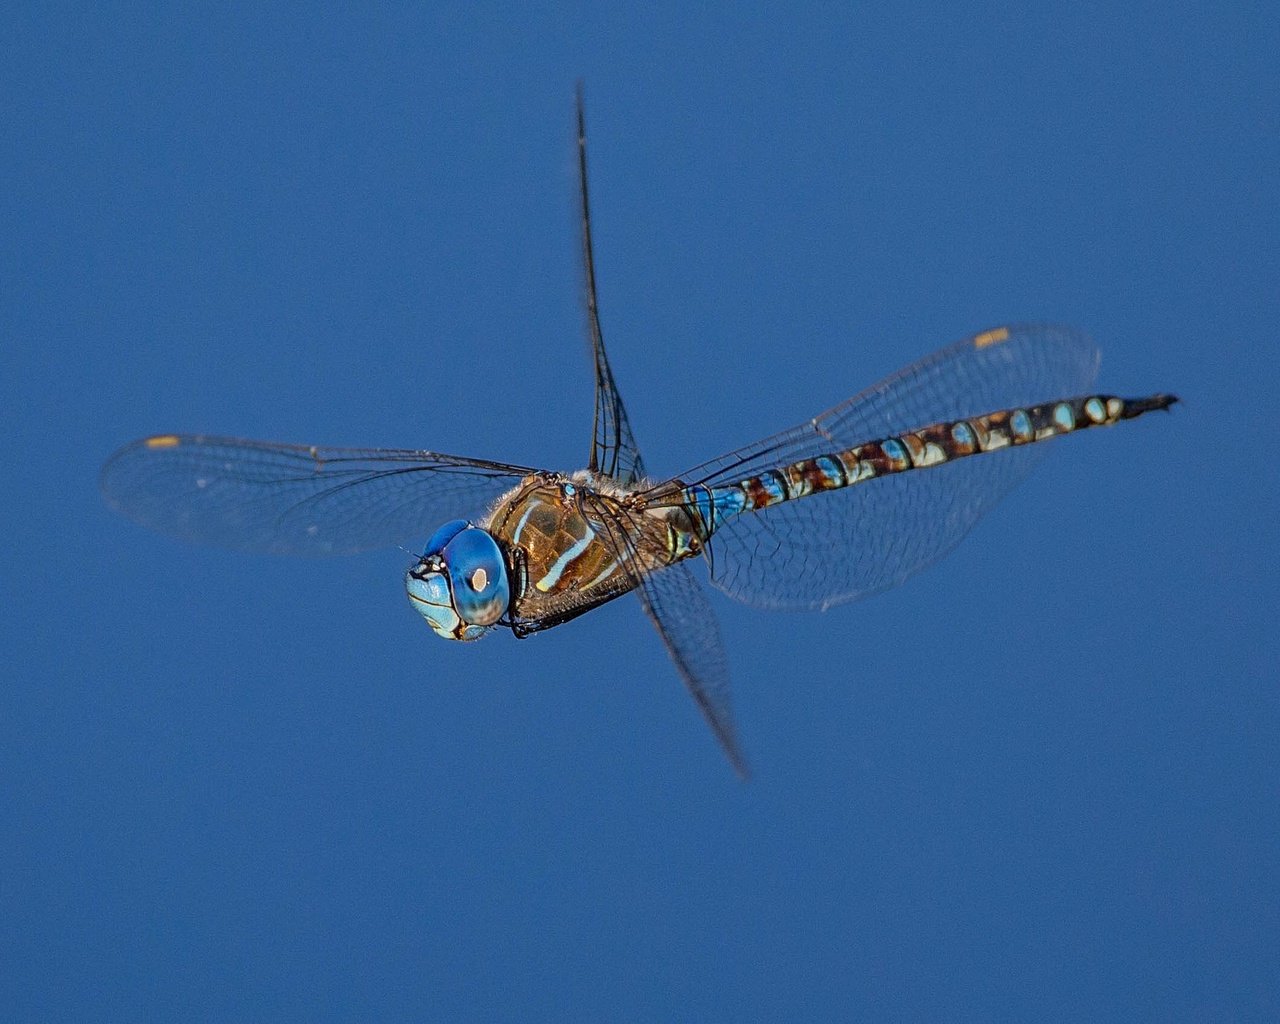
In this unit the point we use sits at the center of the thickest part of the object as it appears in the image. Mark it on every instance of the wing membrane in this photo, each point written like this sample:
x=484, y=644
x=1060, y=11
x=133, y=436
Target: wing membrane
x=679, y=610
x=613, y=449
x=296, y=499
x=842, y=545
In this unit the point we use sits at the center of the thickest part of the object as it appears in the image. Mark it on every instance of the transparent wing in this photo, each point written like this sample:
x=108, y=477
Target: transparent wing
x=678, y=608
x=842, y=545
x=613, y=448
x=296, y=499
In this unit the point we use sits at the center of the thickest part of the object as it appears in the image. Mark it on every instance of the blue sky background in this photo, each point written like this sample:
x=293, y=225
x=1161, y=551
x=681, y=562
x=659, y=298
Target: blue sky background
x=1038, y=782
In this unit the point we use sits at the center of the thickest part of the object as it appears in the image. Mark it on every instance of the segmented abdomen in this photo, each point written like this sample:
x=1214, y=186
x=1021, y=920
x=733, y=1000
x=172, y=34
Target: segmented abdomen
x=929, y=446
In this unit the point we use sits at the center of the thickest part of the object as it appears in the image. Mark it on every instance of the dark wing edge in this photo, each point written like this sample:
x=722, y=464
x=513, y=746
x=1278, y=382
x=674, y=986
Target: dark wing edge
x=293, y=499
x=614, y=451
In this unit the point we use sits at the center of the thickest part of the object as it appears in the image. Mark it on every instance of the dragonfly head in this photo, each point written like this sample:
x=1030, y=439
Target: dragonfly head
x=459, y=585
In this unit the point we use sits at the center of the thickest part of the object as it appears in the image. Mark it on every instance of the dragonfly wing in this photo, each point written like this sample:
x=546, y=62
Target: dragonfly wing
x=678, y=608
x=296, y=499
x=613, y=447
x=842, y=545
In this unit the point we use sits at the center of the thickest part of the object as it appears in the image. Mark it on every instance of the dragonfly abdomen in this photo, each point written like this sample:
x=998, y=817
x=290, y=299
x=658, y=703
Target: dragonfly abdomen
x=934, y=445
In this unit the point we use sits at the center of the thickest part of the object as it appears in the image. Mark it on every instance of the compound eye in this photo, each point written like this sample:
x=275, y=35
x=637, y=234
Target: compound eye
x=443, y=535
x=478, y=577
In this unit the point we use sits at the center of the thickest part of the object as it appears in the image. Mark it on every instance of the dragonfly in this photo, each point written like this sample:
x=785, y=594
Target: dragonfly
x=845, y=505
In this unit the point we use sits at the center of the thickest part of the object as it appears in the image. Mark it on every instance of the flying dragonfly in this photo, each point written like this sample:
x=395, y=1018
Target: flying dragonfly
x=847, y=504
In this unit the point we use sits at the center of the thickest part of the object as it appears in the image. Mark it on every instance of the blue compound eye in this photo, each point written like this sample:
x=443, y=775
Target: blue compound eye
x=477, y=576
x=443, y=535
x=460, y=584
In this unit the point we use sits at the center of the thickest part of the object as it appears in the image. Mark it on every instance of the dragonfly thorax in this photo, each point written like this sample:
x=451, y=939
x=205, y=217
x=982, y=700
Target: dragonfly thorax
x=459, y=585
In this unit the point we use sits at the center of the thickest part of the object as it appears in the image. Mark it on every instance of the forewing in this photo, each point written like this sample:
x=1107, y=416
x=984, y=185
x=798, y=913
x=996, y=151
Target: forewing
x=613, y=448
x=842, y=545
x=678, y=608
x=296, y=499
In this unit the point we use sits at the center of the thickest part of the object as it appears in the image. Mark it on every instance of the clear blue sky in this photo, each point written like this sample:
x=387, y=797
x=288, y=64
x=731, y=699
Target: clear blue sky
x=1038, y=782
